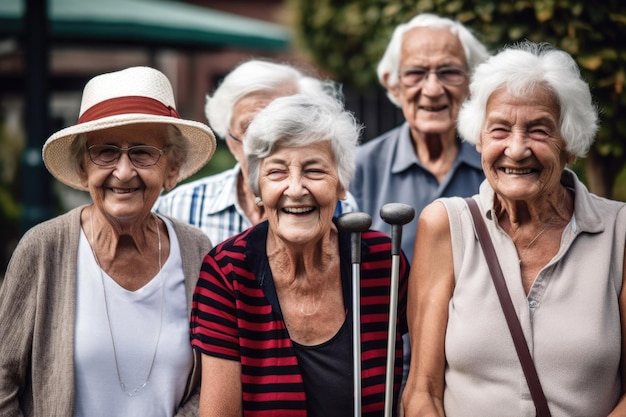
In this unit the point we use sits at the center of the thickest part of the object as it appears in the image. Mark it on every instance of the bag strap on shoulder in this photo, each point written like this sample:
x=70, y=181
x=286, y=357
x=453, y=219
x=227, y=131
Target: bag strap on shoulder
x=528, y=366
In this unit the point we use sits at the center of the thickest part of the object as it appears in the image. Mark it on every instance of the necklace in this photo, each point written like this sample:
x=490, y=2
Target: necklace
x=523, y=252
x=131, y=392
x=550, y=222
x=538, y=234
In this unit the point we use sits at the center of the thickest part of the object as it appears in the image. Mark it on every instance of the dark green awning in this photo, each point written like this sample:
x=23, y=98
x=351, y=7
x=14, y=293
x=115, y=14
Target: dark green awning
x=155, y=22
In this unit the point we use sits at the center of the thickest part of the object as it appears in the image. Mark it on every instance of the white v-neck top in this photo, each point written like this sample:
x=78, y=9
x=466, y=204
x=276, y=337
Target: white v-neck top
x=135, y=319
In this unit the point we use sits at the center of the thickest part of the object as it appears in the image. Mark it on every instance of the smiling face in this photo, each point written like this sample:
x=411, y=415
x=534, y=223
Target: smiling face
x=523, y=154
x=431, y=107
x=300, y=188
x=123, y=191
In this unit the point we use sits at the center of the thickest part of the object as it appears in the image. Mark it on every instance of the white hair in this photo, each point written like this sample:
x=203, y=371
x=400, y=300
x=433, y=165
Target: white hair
x=520, y=69
x=389, y=65
x=256, y=76
x=301, y=120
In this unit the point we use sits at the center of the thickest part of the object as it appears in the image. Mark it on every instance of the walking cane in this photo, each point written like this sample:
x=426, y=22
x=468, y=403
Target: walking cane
x=397, y=215
x=356, y=223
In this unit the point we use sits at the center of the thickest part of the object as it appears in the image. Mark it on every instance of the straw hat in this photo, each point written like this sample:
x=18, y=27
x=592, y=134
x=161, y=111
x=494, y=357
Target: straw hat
x=130, y=96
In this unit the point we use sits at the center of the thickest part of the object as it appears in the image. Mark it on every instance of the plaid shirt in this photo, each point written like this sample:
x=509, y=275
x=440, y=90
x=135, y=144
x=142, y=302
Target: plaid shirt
x=210, y=203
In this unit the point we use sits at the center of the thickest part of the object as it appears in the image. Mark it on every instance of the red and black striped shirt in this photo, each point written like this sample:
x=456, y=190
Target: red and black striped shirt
x=236, y=316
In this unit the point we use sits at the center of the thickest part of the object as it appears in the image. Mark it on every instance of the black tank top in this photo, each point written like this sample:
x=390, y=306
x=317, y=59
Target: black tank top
x=327, y=373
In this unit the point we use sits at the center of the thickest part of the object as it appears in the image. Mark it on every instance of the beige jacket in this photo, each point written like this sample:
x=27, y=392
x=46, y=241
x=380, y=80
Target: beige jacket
x=37, y=316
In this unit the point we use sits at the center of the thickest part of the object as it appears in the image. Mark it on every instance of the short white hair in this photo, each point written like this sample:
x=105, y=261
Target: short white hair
x=389, y=65
x=256, y=76
x=520, y=69
x=301, y=120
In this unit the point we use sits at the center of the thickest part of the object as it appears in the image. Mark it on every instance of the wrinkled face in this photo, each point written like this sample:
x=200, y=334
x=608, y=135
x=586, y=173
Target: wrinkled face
x=300, y=188
x=523, y=154
x=243, y=113
x=431, y=106
x=123, y=190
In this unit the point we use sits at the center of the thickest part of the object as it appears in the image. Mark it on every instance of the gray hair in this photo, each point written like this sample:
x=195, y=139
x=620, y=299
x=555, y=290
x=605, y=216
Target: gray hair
x=178, y=148
x=389, y=65
x=257, y=76
x=301, y=120
x=520, y=69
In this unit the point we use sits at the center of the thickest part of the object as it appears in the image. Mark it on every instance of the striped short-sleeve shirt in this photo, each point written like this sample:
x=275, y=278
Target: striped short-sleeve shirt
x=235, y=317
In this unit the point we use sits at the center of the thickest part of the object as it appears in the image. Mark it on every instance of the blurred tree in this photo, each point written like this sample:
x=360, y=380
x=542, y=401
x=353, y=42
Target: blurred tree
x=11, y=143
x=348, y=37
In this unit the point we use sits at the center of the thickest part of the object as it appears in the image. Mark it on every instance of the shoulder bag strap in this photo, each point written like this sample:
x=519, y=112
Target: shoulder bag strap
x=528, y=366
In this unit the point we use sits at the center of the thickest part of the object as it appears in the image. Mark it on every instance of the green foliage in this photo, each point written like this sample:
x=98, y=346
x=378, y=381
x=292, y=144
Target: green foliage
x=348, y=37
x=221, y=161
x=11, y=144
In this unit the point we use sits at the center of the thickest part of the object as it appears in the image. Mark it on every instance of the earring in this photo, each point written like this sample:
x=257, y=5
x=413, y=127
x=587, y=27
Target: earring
x=257, y=201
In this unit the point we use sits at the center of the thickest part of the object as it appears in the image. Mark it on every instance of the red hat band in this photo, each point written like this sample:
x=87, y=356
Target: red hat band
x=127, y=105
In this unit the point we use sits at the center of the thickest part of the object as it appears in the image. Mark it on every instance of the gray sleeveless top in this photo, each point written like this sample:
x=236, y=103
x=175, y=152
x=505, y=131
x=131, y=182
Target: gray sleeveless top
x=570, y=318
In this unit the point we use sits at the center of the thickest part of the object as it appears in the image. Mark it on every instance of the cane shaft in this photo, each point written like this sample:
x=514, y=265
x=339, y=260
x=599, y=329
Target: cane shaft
x=356, y=336
x=391, y=335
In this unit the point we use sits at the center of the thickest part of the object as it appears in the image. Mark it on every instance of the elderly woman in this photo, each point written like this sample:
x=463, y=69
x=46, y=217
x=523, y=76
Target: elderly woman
x=272, y=311
x=94, y=310
x=560, y=247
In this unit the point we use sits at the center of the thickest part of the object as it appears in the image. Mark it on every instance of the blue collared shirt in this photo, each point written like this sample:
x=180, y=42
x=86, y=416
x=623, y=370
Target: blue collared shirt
x=388, y=171
x=210, y=203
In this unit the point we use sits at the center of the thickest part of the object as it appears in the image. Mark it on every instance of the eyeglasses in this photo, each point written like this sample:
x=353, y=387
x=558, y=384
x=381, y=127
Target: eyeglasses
x=140, y=155
x=451, y=75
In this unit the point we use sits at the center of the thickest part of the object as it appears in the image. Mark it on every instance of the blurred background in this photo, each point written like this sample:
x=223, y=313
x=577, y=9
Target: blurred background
x=50, y=48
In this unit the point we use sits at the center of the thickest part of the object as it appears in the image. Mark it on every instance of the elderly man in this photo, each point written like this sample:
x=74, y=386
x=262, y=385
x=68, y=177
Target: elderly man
x=223, y=205
x=426, y=70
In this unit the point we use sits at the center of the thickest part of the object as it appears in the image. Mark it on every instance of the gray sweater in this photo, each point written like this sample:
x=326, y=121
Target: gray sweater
x=37, y=316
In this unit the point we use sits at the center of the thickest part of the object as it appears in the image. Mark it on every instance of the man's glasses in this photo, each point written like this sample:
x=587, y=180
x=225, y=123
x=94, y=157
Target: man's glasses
x=140, y=155
x=453, y=76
